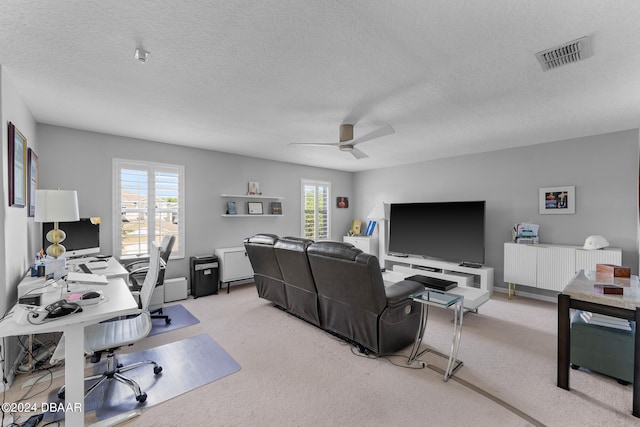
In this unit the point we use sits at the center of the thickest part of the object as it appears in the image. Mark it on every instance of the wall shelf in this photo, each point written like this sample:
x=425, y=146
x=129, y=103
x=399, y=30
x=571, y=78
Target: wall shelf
x=242, y=209
x=250, y=196
x=248, y=215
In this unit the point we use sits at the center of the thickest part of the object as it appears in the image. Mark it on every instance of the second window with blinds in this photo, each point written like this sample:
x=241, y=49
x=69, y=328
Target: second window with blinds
x=316, y=218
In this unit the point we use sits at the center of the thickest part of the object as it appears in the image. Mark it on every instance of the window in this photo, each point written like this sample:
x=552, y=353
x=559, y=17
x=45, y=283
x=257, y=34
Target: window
x=316, y=221
x=136, y=221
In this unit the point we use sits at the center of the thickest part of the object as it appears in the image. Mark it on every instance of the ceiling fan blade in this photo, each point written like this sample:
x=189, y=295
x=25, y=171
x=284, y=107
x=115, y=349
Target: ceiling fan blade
x=314, y=144
x=358, y=154
x=383, y=131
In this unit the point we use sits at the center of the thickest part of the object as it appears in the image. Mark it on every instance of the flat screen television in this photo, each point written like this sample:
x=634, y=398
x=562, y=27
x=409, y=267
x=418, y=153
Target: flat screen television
x=451, y=231
x=83, y=237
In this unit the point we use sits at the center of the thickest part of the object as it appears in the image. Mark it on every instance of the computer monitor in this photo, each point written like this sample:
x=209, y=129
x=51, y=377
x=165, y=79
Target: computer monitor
x=83, y=237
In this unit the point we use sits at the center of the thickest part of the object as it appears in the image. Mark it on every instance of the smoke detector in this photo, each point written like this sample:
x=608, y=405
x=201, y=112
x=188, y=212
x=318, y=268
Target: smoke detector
x=141, y=55
x=566, y=53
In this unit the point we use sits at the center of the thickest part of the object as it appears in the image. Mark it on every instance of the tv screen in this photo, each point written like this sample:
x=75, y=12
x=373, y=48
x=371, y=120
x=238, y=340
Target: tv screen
x=452, y=231
x=83, y=237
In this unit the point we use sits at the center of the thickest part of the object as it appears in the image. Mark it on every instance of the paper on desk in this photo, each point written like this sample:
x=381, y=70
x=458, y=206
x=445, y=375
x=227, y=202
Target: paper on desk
x=94, y=279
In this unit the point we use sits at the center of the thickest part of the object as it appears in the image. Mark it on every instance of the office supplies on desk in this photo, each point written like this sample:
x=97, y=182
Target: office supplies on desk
x=91, y=279
x=97, y=264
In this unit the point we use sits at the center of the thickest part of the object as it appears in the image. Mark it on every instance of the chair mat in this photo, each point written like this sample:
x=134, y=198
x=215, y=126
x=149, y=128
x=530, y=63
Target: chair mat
x=207, y=362
x=180, y=318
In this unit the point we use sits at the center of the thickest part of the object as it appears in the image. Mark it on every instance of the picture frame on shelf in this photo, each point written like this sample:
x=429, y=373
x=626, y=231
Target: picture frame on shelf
x=231, y=208
x=557, y=200
x=276, y=208
x=17, y=167
x=254, y=188
x=32, y=166
x=254, y=208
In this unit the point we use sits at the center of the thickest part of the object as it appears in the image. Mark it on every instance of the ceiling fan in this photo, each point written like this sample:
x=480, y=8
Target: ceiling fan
x=347, y=143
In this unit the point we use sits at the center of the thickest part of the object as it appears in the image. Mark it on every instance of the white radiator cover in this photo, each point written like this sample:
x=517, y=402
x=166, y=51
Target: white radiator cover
x=175, y=289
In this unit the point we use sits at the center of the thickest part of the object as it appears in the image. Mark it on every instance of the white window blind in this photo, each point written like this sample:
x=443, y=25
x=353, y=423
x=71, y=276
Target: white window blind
x=148, y=205
x=316, y=219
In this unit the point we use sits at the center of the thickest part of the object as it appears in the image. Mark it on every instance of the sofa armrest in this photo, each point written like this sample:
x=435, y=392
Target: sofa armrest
x=400, y=291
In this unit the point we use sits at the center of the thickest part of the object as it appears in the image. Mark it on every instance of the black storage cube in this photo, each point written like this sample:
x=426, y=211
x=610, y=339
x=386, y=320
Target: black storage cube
x=204, y=275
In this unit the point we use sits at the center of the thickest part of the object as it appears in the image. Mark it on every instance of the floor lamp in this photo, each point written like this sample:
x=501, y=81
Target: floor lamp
x=56, y=206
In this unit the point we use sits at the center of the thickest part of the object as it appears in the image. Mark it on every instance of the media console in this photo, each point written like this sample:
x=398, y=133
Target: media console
x=475, y=284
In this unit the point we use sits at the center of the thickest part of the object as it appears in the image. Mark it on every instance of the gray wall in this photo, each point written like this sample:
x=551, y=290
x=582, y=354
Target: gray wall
x=18, y=246
x=78, y=160
x=603, y=168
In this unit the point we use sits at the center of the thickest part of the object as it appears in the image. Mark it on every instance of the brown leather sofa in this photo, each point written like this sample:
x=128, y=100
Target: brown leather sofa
x=337, y=287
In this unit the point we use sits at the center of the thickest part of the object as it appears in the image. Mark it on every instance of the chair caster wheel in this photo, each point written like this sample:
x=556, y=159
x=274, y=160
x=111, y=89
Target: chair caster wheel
x=574, y=366
x=142, y=397
x=157, y=370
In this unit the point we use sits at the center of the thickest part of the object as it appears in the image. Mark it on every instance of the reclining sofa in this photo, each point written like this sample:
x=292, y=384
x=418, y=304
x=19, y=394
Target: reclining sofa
x=337, y=287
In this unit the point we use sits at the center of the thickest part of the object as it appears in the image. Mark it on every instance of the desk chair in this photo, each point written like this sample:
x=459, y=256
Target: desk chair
x=107, y=336
x=138, y=270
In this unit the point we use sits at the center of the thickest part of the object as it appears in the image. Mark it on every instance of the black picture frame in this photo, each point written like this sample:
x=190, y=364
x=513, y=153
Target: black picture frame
x=32, y=167
x=254, y=208
x=17, y=167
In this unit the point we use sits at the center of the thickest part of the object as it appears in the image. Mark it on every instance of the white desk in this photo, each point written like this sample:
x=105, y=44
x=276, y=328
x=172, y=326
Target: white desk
x=119, y=302
x=114, y=268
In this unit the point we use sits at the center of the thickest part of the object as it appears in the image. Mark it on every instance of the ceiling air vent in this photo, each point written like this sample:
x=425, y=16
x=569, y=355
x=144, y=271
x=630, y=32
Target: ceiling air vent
x=567, y=53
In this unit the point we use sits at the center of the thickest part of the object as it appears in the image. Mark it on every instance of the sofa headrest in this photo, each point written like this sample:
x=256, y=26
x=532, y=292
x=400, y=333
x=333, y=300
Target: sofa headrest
x=262, y=239
x=339, y=250
x=298, y=244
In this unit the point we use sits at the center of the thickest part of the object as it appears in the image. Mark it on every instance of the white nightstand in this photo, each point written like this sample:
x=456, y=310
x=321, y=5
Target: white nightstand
x=366, y=244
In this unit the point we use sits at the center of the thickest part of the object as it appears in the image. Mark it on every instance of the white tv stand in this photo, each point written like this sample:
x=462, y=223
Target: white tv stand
x=474, y=284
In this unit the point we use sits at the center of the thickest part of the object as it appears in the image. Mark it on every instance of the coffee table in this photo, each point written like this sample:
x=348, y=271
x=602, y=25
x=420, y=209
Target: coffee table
x=432, y=297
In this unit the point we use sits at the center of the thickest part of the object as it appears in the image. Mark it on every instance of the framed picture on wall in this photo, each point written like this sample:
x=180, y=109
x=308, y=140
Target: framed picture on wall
x=557, y=200
x=254, y=208
x=32, y=167
x=17, y=167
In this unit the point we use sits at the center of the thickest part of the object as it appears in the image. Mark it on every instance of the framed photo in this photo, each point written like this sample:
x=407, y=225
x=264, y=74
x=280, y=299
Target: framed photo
x=276, y=208
x=342, y=202
x=558, y=200
x=17, y=167
x=32, y=165
x=254, y=208
x=254, y=187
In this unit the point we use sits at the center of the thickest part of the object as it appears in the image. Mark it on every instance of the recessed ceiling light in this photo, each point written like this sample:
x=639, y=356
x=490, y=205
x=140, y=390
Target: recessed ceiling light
x=141, y=55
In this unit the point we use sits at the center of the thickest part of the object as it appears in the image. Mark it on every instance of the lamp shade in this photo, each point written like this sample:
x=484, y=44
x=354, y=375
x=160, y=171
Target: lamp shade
x=56, y=206
x=377, y=212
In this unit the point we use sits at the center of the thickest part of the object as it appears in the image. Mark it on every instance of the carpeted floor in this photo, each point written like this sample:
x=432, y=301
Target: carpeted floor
x=294, y=374
x=187, y=364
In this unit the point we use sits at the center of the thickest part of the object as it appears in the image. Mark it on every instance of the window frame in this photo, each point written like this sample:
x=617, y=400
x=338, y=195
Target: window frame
x=317, y=184
x=151, y=168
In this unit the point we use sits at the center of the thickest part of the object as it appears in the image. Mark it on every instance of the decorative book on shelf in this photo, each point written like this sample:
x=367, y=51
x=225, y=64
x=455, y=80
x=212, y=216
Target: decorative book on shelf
x=276, y=208
x=370, y=227
x=231, y=208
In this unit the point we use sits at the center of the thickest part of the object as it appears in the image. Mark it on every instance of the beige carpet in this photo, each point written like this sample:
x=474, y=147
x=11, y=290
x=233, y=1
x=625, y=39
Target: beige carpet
x=294, y=374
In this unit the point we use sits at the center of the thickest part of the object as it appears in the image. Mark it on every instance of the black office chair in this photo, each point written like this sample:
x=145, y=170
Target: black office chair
x=138, y=270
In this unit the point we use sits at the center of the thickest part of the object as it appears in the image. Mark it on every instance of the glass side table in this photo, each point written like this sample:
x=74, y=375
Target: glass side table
x=430, y=297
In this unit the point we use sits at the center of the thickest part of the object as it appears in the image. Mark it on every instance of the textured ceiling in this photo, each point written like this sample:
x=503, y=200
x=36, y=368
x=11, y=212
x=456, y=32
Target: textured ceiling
x=250, y=77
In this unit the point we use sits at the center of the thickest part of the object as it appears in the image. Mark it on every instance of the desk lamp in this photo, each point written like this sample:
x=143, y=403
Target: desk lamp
x=56, y=206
